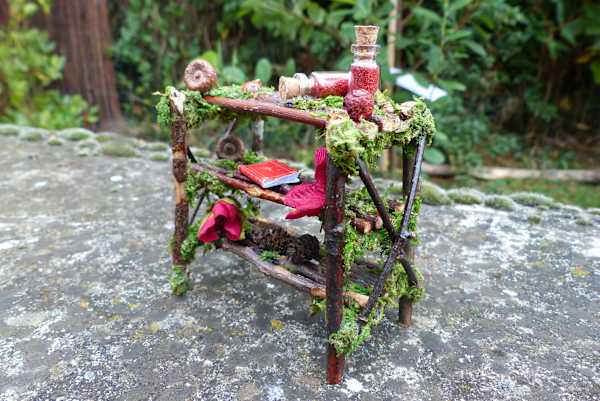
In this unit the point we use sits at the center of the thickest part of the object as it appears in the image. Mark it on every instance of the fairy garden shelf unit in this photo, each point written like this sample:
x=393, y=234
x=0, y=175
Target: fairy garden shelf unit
x=366, y=261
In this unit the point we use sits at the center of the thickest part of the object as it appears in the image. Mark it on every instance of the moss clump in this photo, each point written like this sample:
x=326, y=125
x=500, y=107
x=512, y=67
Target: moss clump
x=200, y=152
x=54, y=141
x=533, y=199
x=434, y=195
x=466, y=196
x=270, y=256
x=594, y=210
x=180, y=281
x=33, y=134
x=317, y=104
x=105, y=137
x=500, y=202
x=583, y=221
x=75, y=134
x=88, y=145
x=159, y=157
x=118, y=149
x=154, y=146
x=534, y=219
x=9, y=130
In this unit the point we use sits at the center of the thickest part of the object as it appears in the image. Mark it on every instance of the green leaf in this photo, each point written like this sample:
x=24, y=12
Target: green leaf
x=233, y=75
x=426, y=14
x=459, y=34
x=290, y=68
x=263, y=70
x=475, y=47
x=458, y=5
x=595, y=66
x=212, y=57
x=452, y=85
x=434, y=156
x=316, y=13
x=435, y=60
x=570, y=30
x=362, y=9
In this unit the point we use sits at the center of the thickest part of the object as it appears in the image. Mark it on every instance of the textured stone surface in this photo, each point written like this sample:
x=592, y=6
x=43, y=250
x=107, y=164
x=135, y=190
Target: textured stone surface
x=512, y=313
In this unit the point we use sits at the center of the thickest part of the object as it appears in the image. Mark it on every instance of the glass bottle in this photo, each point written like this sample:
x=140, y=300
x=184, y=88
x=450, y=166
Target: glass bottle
x=318, y=84
x=364, y=70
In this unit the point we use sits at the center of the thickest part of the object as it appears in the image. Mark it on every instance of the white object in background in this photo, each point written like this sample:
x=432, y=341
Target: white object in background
x=408, y=82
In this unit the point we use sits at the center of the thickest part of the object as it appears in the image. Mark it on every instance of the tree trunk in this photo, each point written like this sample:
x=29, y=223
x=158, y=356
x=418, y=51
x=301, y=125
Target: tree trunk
x=4, y=12
x=81, y=32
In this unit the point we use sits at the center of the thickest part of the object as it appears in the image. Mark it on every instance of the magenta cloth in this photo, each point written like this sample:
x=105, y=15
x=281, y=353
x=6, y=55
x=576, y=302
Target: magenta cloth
x=224, y=216
x=309, y=199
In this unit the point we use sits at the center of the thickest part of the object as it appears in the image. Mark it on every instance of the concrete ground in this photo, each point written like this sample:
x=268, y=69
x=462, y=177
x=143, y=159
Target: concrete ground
x=512, y=312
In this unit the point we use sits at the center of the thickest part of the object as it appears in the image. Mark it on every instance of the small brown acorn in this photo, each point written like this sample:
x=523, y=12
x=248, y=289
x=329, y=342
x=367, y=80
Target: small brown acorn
x=200, y=76
x=359, y=104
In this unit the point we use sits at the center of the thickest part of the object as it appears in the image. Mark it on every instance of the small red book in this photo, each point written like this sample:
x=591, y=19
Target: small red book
x=270, y=173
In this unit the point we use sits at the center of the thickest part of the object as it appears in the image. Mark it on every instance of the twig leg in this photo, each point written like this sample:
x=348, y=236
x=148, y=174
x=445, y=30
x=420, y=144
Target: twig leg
x=179, y=149
x=405, y=306
x=334, y=263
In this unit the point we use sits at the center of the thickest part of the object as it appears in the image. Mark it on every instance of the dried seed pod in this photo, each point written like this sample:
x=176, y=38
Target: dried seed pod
x=230, y=147
x=269, y=237
x=200, y=76
x=252, y=86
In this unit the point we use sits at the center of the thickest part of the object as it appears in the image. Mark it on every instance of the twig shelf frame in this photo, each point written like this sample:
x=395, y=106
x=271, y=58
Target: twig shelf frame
x=308, y=277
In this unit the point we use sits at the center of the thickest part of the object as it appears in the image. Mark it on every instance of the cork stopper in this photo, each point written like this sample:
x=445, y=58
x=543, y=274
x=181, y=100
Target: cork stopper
x=366, y=34
x=288, y=87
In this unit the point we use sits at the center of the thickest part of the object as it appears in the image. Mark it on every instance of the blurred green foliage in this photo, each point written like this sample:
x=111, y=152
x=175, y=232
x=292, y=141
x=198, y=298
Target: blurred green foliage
x=28, y=69
x=528, y=67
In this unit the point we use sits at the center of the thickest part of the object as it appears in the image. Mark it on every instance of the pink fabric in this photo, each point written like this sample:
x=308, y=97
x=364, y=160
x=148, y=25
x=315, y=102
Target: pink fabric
x=309, y=199
x=223, y=217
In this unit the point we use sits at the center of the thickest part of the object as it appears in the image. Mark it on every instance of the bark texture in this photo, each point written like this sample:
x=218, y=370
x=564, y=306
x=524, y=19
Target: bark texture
x=81, y=32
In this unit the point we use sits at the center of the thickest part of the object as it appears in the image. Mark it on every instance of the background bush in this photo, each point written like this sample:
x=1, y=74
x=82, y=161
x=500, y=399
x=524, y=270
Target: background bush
x=518, y=72
x=27, y=71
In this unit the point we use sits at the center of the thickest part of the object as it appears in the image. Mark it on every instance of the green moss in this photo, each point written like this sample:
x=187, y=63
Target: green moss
x=466, y=196
x=318, y=104
x=105, y=137
x=594, y=210
x=180, y=281
x=118, y=149
x=9, y=130
x=434, y=195
x=583, y=221
x=533, y=199
x=33, y=134
x=159, y=157
x=75, y=134
x=227, y=164
x=88, y=145
x=54, y=141
x=200, y=152
x=154, y=146
x=191, y=242
x=500, y=202
x=270, y=256
x=534, y=219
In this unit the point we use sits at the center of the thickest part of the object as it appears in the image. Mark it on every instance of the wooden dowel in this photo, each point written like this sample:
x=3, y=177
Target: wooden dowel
x=334, y=264
x=265, y=108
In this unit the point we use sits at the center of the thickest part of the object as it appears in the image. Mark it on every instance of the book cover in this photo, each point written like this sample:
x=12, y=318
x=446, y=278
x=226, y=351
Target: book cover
x=270, y=173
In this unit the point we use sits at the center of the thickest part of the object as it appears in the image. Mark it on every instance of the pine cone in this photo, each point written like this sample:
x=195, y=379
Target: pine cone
x=303, y=248
x=269, y=237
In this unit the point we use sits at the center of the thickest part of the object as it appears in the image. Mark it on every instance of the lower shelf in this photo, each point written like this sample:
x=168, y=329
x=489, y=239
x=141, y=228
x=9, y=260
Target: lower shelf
x=305, y=277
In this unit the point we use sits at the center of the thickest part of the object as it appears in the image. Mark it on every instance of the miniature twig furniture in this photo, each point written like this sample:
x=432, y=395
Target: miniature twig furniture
x=356, y=290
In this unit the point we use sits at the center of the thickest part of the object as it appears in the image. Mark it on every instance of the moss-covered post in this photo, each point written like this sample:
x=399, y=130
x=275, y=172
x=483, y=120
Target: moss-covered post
x=405, y=305
x=334, y=264
x=180, y=281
